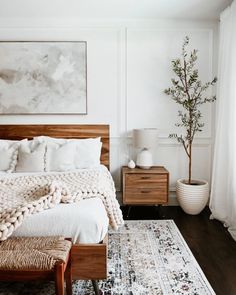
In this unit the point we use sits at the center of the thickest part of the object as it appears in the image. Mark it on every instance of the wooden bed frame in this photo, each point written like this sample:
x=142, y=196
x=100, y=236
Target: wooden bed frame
x=89, y=261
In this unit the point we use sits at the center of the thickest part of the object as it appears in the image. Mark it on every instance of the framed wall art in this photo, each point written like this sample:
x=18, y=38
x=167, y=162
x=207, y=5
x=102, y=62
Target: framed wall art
x=43, y=77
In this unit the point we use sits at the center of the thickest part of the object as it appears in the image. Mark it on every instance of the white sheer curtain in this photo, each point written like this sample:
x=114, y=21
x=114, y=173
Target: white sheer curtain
x=223, y=191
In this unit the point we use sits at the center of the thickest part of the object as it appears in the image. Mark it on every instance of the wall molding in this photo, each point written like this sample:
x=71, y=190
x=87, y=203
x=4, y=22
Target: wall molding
x=121, y=141
x=165, y=141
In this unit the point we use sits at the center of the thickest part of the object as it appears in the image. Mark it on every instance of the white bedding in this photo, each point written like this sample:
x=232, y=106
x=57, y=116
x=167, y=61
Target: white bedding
x=84, y=222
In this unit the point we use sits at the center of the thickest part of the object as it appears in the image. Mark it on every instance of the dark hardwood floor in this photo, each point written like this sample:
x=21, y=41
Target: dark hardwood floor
x=209, y=241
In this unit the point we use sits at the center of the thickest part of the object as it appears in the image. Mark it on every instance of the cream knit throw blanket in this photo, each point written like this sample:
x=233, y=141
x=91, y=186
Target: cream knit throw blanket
x=21, y=196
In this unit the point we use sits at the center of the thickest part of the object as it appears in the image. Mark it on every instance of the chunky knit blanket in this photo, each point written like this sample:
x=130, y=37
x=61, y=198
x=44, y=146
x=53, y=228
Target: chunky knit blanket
x=21, y=196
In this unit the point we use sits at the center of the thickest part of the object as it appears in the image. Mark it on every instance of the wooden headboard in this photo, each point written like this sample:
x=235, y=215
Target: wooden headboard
x=18, y=132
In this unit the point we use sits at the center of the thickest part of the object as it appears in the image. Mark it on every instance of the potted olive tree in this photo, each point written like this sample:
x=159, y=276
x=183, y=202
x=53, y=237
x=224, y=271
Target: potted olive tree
x=189, y=93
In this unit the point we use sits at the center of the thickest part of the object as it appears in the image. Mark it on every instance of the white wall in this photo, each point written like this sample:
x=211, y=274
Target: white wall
x=128, y=68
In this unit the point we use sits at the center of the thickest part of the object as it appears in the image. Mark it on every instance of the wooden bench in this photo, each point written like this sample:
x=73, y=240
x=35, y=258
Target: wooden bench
x=37, y=258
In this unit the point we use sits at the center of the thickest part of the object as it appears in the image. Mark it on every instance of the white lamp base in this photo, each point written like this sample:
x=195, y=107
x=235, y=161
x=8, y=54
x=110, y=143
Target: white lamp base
x=144, y=159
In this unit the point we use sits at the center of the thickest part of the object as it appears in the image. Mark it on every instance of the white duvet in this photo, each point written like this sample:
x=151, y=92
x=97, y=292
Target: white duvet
x=85, y=221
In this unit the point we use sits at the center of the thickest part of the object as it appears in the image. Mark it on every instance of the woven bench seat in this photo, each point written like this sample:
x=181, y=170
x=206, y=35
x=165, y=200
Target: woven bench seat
x=30, y=258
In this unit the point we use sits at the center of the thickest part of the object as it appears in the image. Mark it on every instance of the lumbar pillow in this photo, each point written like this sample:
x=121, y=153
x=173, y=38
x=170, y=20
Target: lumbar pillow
x=31, y=157
x=8, y=155
x=60, y=157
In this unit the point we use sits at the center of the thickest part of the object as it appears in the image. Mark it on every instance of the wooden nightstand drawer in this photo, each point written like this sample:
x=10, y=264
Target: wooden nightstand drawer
x=146, y=196
x=145, y=180
x=142, y=186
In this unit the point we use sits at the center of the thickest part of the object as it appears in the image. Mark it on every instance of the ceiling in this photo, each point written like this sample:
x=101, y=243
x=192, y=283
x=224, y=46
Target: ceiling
x=113, y=9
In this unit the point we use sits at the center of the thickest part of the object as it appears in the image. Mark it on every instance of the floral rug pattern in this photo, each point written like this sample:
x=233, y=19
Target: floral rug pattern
x=144, y=258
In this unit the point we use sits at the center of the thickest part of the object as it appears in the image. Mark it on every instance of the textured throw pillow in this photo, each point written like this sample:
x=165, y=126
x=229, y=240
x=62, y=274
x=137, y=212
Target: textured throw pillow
x=60, y=157
x=31, y=157
x=8, y=155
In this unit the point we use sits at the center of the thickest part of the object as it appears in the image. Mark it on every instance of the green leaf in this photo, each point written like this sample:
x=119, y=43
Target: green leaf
x=189, y=92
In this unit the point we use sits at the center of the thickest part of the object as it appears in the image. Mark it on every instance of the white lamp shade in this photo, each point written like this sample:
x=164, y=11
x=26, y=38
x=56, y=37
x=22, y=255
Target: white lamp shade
x=145, y=138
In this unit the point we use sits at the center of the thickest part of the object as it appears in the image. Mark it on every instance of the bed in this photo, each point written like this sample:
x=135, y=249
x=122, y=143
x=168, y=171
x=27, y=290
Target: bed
x=89, y=260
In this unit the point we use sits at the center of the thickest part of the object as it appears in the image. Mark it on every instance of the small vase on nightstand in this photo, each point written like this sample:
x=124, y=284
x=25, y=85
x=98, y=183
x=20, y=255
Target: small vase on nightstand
x=131, y=164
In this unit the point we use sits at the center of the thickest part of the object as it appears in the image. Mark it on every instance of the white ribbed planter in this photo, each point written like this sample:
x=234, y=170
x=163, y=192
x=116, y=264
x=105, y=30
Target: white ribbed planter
x=192, y=198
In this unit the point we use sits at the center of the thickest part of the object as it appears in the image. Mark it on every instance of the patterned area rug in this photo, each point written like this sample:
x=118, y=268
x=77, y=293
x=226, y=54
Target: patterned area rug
x=144, y=258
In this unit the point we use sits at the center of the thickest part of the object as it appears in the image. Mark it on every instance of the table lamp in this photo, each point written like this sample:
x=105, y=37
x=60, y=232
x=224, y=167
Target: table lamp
x=145, y=139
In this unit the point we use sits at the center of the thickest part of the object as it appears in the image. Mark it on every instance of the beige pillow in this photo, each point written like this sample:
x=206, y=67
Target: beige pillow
x=31, y=160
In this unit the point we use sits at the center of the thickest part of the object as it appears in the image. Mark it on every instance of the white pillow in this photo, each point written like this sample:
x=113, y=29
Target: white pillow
x=31, y=157
x=48, y=139
x=60, y=157
x=88, y=150
x=88, y=153
x=8, y=155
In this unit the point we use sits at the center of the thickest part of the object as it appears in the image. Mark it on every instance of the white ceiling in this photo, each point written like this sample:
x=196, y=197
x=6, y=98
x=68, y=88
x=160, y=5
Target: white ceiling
x=113, y=9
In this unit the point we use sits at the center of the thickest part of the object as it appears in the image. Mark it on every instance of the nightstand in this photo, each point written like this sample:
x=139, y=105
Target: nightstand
x=145, y=186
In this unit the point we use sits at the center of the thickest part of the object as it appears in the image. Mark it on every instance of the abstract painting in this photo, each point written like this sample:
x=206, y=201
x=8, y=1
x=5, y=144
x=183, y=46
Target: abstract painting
x=43, y=77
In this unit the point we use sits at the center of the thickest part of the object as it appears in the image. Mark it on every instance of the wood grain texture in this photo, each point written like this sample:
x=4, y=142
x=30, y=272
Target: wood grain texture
x=145, y=186
x=19, y=132
x=154, y=169
x=89, y=261
x=148, y=197
x=140, y=180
